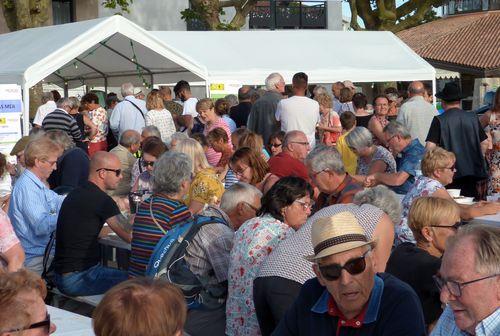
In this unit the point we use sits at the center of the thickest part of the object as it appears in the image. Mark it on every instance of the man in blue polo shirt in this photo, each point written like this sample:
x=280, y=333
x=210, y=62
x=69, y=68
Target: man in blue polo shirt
x=347, y=297
x=408, y=152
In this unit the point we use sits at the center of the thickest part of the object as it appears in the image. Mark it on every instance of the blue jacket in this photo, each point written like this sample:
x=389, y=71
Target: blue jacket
x=393, y=309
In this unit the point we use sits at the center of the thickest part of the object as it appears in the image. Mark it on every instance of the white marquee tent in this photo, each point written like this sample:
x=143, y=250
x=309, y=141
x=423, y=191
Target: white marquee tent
x=110, y=51
x=325, y=56
x=95, y=52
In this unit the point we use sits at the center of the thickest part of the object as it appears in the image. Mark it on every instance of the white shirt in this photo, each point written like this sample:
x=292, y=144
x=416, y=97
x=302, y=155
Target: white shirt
x=189, y=107
x=301, y=114
x=43, y=110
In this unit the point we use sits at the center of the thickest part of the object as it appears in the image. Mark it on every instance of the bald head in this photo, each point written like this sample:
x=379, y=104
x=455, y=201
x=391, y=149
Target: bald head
x=416, y=89
x=294, y=136
x=102, y=160
x=129, y=138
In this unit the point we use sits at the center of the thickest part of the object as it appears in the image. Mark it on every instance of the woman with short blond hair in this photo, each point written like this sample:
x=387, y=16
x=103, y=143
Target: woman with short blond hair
x=141, y=306
x=205, y=188
x=438, y=168
x=159, y=116
x=432, y=220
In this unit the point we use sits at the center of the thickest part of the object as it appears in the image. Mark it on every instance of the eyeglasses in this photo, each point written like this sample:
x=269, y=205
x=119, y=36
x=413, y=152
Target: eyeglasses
x=303, y=143
x=148, y=163
x=251, y=206
x=240, y=173
x=116, y=171
x=45, y=323
x=315, y=174
x=392, y=137
x=275, y=145
x=455, y=287
x=354, y=266
x=50, y=162
x=455, y=226
x=452, y=168
x=305, y=205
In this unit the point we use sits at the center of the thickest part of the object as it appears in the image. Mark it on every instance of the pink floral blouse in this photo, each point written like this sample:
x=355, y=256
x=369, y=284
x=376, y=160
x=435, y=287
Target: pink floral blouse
x=7, y=236
x=253, y=242
x=100, y=118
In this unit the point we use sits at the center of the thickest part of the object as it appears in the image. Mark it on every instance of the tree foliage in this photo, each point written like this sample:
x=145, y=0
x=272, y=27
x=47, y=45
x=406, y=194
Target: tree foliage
x=386, y=15
x=123, y=5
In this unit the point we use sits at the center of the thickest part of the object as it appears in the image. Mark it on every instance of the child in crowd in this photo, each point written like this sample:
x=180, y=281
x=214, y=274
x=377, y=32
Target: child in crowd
x=219, y=141
x=350, y=159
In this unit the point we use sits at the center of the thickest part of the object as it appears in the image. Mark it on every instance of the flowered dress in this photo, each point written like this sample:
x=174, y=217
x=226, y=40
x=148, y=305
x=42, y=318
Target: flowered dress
x=423, y=186
x=382, y=154
x=100, y=118
x=253, y=242
x=493, y=154
x=7, y=236
x=382, y=120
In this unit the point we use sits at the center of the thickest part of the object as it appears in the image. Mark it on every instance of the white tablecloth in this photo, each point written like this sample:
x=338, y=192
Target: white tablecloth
x=68, y=323
x=489, y=219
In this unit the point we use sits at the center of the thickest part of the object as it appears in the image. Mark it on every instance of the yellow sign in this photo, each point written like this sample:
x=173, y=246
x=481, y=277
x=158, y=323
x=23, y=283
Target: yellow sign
x=216, y=87
x=3, y=121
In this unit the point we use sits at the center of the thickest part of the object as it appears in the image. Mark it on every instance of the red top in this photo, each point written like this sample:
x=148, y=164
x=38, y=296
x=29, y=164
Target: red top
x=284, y=164
x=356, y=322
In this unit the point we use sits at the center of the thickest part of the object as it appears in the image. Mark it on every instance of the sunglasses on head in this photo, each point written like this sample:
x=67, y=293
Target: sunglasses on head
x=354, y=266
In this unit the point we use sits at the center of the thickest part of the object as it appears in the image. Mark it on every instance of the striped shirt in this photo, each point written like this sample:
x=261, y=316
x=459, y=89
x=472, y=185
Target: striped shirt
x=146, y=234
x=62, y=121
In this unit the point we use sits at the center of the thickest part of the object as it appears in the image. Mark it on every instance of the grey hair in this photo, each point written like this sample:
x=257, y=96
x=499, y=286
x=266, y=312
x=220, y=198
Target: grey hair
x=325, y=157
x=319, y=89
x=151, y=130
x=127, y=89
x=237, y=193
x=486, y=244
x=359, y=138
x=61, y=138
x=178, y=136
x=383, y=198
x=272, y=80
x=169, y=171
x=75, y=101
x=47, y=96
x=231, y=99
x=65, y=102
x=290, y=137
x=129, y=138
x=397, y=128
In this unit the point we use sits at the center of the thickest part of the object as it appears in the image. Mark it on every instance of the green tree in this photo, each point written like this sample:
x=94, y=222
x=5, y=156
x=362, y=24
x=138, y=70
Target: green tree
x=386, y=15
x=207, y=11
x=22, y=14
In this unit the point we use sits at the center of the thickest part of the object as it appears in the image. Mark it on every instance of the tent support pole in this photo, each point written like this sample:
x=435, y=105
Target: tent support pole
x=128, y=59
x=207, y=88
x=152, y=80
x=66, y=90
x=106, y=85
x=26, y=109
x=434, y=91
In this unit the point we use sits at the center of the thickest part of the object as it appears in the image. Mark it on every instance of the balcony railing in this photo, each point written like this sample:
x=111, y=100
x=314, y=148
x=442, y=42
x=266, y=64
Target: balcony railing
x=289, y=15
x=467, y=6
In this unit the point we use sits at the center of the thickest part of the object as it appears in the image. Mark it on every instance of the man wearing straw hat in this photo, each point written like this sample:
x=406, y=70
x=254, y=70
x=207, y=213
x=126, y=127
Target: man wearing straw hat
x=348, y=297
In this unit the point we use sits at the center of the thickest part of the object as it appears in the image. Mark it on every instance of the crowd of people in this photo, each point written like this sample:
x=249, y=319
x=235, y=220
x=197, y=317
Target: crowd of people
x=324, y=215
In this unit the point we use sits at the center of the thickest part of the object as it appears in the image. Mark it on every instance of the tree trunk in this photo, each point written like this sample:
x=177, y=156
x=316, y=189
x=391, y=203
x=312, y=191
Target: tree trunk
x=22, y=14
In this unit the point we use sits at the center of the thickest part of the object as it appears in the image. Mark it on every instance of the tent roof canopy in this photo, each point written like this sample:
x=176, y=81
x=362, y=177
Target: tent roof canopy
x=325, y=56
x=88, y=51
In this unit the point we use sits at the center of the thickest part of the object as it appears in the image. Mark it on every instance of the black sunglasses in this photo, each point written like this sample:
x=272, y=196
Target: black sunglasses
x=45, y=323
x=275, y=145
x=148, y=163
x=116, y=171
x=455, y=226
x=354, y=266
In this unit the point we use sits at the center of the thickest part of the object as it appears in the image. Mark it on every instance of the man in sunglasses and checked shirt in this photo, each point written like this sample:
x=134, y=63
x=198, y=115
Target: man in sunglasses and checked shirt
x=348, y=297
x=81, y=219
x=469, y=280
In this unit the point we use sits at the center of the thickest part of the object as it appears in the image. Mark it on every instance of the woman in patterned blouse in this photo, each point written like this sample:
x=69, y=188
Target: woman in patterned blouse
x=285, y=208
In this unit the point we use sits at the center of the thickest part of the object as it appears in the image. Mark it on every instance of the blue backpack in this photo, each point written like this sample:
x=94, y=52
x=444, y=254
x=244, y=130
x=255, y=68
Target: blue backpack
x=167, y=262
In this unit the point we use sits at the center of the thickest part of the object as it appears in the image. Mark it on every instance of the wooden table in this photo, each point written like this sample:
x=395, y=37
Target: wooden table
x=70, y=324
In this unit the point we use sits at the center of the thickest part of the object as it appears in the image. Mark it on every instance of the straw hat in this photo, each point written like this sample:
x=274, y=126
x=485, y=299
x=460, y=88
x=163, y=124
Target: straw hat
x=336, y=234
